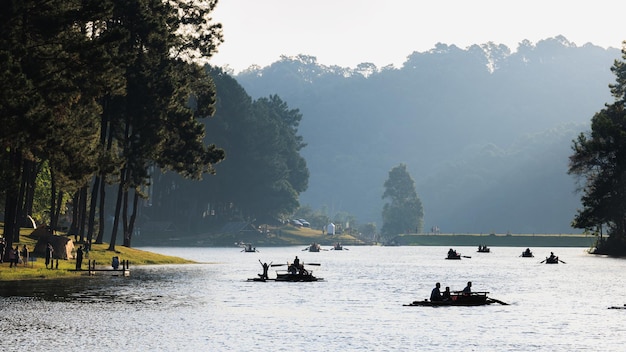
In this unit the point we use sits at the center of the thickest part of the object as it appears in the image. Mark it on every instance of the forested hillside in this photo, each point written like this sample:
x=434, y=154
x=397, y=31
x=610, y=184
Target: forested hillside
x=485, y=131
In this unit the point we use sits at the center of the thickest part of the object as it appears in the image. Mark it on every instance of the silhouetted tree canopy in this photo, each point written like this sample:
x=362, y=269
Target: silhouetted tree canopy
x=599, y=160
x=101, y=90
x=403, y=213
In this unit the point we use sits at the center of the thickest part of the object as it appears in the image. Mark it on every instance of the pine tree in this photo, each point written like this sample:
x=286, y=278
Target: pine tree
x=599, y=161
x=403, y=213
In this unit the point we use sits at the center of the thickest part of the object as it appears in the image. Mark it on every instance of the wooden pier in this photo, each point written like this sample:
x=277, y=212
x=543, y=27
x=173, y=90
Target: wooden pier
x=121, y=270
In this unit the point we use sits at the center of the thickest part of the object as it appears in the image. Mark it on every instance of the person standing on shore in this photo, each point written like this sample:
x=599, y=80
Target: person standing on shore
x=3, y=246
x=13, y=255
x=79, y=258
x=49, y=252
x=25, y=255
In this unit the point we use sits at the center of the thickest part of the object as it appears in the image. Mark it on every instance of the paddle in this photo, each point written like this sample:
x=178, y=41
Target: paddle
x=306, y=249
x=466, y=256
x=541, y=262
x=315, y=264
x=278, y=264
x=498, y=301
x=562, y=261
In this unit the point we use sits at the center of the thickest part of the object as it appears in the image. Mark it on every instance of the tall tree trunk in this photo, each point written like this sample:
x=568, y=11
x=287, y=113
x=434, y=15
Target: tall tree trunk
x=75, y=213
x=105, y=133
x=32, y=170
x=125, y=214
x=11, y=202
x=118, y=206
x=9, y=219
x=19, y=215
x=92, y=208
x=101, y=213
x=133, y=217
x=56, y=213
x=53, y=198
x=82, y=217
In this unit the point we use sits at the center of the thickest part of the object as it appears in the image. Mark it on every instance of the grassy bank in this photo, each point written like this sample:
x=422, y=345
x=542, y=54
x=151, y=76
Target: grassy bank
x=286, y=235
x=495, y=240
x=37, y=269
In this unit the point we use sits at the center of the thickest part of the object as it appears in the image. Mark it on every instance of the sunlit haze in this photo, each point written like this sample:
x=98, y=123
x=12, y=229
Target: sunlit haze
x=349, y=32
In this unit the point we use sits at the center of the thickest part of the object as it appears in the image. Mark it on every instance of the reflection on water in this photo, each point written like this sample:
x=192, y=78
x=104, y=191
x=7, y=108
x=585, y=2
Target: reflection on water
x=358, y=307
x=92, y=289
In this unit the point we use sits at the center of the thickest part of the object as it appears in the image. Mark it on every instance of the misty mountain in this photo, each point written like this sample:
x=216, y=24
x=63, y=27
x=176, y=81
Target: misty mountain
x=485, y=131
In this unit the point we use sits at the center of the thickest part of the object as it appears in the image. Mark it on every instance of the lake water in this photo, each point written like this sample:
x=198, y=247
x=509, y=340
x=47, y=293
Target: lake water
x=358, y=306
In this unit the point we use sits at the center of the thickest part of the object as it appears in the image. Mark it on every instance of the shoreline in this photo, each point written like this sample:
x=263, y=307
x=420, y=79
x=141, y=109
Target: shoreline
x=36, y=270
x=498, y=240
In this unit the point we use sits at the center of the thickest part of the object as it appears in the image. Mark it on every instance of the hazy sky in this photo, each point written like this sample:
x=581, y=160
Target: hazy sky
x=349, y=32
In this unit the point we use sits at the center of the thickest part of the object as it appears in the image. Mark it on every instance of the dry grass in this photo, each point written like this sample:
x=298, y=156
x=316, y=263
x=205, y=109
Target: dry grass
x=295, y=236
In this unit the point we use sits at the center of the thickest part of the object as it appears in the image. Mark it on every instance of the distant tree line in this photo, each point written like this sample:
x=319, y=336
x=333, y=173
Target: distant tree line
x=261, y=177
x=484, y=130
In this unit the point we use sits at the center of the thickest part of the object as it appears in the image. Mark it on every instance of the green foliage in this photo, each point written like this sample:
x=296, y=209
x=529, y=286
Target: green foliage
x=42, y=196
x=41, y=200
x=368, y=230
x=317, y=218
x=101, y=87
x=263, y=173
x=403, y=213
x=440, y=112
x=599, y=161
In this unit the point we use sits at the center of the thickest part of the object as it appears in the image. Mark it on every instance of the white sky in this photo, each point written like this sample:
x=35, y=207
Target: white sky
x=383, y=32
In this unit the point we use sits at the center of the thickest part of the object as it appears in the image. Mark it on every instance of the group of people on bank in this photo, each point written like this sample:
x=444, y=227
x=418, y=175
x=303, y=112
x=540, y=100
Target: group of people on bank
x=14, y=255
x=436, y=294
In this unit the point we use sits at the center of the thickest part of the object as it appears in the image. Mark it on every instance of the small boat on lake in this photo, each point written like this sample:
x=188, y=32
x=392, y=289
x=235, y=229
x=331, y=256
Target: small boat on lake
x=549, y=260
x=483, y=249
x=247, y=247
x=458, y=298
x=338, y=247
x=618, y=307
x=286, y=276
x=297, y=277
x=452, y=254
x=552, y=259
x=527, y=253
x=314, y=247
x=295, y=273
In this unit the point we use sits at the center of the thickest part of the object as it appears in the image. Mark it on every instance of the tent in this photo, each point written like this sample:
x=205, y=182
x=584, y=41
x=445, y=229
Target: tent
x=63, y=246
